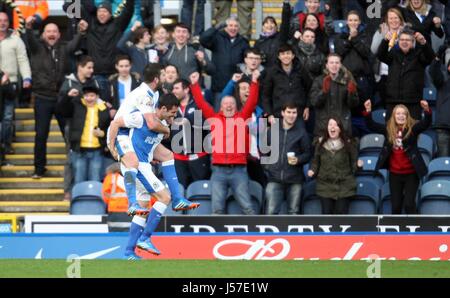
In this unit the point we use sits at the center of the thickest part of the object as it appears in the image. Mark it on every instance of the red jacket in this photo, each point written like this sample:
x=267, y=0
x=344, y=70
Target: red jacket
x=230, y=143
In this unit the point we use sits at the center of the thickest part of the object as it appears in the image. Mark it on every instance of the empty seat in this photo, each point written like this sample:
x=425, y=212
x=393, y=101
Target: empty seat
x=256, y=194
x=366, y=199
x=371, y=144
x=368, y=170
x=339, y=26
x=439, y=169
x=430, y=94
x=425, y=144
x=310, y=201
x=200, y=192
x=87, y=199
x=379, y=116
x=385, y=202
x=435, y=197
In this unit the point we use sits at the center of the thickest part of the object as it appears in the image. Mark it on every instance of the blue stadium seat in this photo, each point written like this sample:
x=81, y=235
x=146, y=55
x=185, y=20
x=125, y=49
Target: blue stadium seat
x=310, y=201
x=368, y=170
x=385, y=203
x=371, y=144
x=339, y=26
x=306, y=167
x=430, y=95
x=435, y=197
x=426, y=146
x=200, y=192
x=439, y=169
x=379, y=116
x=366, y=199
x=87, y=199
x=256, y=193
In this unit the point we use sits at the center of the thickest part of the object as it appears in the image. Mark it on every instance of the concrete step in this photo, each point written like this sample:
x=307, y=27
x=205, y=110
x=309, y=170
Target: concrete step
x=28, y=147
x=22, y=114
x=28, y=136
x=28, y=125
x=31, y=195
x=28, y=159
x=30, y=183
x=43, y=206
x=27, y=171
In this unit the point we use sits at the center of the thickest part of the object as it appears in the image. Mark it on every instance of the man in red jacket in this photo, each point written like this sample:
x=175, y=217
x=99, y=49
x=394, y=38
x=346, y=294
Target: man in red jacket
x=230, y=145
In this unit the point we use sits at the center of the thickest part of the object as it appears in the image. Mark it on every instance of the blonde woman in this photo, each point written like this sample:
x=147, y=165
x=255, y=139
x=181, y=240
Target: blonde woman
x=400, y=154
x=161, y=40
x=422, y=18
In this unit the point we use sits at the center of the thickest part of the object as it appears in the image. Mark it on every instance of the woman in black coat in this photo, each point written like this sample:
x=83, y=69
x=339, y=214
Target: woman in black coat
x=400, y=154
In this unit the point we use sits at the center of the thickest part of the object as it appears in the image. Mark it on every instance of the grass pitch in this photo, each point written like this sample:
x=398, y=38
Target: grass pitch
x=220, y=269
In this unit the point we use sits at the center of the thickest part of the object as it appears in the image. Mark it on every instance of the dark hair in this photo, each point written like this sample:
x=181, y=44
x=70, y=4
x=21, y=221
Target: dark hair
x=83, y=60
x=138, y=34
x=254, y=51
x=122, y=57
x=151, y=72
x=407, y=30
x=306, y=17
x=334, y=55
x=168, y=100
x=309, y=29
x=354, y=12
x=174, y=66
x=285, y=48
x=182, y=25
x=266, y=19
x=346, y=140
x=289, y=105
x=183, y=82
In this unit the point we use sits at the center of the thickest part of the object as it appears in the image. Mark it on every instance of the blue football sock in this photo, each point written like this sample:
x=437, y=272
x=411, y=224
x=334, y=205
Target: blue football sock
x=153, y=219
x=136, y=229
x=170, y=176
x=130, y=184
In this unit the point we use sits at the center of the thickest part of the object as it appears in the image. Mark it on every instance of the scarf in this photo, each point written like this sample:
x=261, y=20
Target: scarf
x=333, y=145
x=308, y=49
x=268, y=34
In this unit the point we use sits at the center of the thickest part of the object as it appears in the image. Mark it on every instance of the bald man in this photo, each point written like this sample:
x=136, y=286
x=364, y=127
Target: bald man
x=49, y=58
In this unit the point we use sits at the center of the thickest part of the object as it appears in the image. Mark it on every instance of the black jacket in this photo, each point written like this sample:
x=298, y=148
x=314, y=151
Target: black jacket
x=113, y=80
x=101, y=39
x=425, y=27
x=280, y=87
x=268, y=45
x=409, y=144
x=76, y=111
x=355, y=53
x=441, y=79
x=295, y=140
x=47, y=73
x=312, y=63
x=189, y=136
x=406, y=76
x=225, y=55
x=72, y=82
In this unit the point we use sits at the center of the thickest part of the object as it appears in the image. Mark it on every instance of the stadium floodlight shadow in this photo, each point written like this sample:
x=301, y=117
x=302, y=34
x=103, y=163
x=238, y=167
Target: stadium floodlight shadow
x=379, y=116
x=439, y=169
x=366, y=199
x=371, y=144
x=256, y=194
x=435, y=197
x=200, y=192
x=87, y=199
x=310, y=201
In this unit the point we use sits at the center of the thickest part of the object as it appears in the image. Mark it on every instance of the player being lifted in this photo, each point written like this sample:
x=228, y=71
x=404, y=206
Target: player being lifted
x=144, y=141
x=144, y=99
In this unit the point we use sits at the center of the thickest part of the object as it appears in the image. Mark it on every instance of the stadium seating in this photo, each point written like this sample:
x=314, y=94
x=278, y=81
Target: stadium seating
x=368, y=170
x=430, y=95
x=87, y=199
x=379, y=116
x=200, y=192
x=426, y=146
x=371, y=144
x=439, y=169
x=435, y=197
x=385, y=202
x=366, y=199
x=256, y=193
x=339, y=26
x=310, y=201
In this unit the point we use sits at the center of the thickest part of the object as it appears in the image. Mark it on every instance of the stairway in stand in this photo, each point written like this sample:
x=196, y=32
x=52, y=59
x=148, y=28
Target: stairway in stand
x=19, y=193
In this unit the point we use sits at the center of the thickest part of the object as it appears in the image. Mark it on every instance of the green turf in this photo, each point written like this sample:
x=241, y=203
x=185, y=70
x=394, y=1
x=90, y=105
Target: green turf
x=232, y=269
